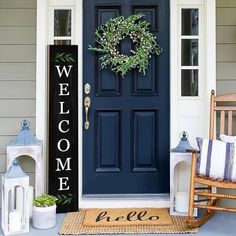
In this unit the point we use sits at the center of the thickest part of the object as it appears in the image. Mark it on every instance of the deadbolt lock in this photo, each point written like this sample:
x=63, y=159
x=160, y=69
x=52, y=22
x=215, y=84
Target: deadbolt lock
x=87, y=88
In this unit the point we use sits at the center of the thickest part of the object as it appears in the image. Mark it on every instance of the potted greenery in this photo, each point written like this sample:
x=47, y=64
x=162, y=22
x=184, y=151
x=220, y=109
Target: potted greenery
x=44, y=212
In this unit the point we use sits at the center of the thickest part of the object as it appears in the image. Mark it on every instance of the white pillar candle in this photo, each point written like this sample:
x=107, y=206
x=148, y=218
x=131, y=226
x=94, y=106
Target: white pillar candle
x=19, y=200
x=31, y=197
x=12, y=200
x=181, y=201
x=14, y=221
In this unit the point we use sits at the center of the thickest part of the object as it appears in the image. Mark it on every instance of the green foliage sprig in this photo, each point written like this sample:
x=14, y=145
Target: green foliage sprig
x=64, y=57
x=109, y=36
x=64, y=199
x=45, y=201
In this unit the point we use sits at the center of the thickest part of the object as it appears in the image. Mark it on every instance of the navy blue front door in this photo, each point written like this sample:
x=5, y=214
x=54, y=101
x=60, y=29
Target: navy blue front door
x=126, y=148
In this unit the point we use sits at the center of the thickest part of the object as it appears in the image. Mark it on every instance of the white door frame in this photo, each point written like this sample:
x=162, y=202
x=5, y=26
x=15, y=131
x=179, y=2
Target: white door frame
x=43, y=39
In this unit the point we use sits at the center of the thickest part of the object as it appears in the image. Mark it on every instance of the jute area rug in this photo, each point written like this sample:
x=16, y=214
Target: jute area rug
x=124, y=221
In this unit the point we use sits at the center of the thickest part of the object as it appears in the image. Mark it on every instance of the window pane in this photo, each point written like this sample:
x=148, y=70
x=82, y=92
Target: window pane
x=189, y=55
x=62, y=42
x=190, y=21
x=189, y=83
x=62, y=23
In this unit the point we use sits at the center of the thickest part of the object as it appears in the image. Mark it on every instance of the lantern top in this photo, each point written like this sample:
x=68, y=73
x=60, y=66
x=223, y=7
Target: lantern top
x=15, y=171
x=184, y=144
x=25, y=136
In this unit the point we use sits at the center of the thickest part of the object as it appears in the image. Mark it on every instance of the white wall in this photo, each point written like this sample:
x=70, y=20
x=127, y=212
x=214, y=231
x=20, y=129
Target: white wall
x=17, y=73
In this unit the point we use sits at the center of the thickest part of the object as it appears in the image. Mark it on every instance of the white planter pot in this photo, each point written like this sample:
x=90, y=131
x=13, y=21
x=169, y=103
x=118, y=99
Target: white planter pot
x=44, y=217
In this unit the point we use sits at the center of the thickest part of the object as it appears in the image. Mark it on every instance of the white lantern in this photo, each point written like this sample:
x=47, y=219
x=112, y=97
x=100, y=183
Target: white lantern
x=26, y=144
x=15, y=206
x=179, y=188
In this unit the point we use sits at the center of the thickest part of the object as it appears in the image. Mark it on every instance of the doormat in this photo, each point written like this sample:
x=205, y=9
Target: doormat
x=127, y=217
x=73, y=225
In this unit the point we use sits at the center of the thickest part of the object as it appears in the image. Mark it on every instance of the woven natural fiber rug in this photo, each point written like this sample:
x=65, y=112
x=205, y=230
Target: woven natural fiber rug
x=73, y=225
x=127, y=217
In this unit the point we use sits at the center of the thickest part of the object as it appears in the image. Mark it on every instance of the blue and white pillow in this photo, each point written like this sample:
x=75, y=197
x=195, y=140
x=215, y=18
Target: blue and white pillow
x=230, y=139
x=227, y=138
x=216, y=159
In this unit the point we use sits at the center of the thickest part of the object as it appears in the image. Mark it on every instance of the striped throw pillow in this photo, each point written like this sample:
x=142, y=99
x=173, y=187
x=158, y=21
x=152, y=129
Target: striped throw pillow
x=216, y=159
x=230, y=139
x=227, y=138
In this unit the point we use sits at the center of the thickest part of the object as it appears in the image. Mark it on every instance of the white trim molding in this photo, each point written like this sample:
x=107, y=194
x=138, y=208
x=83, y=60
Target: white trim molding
x=41, y=79
x=125, y=201
x=195, y=110
x=210, y=53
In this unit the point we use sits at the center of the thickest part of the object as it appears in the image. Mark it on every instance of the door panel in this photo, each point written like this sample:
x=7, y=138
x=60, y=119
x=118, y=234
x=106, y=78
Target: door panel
x=108, y=144
x=144, y=157
x=126, y=148
x=106, y=83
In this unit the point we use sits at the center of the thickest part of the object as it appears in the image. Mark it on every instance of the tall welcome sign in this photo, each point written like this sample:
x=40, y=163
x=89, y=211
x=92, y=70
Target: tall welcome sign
x=63, y=126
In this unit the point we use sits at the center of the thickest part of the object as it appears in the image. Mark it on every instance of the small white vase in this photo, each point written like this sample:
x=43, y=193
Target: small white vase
x=44, y=217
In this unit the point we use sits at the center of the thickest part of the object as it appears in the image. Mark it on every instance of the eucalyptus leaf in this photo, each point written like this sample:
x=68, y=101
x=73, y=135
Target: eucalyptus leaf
x=64, y=57
x=64, y=199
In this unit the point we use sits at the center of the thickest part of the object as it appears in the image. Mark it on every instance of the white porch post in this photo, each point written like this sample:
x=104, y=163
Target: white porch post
x=41, y=78
x=210, y=52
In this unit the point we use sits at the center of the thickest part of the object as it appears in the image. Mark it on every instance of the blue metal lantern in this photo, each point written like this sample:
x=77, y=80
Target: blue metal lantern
x=25, y=136
x=184, y=144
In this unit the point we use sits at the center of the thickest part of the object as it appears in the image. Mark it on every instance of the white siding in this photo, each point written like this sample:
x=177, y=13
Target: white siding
x=226, y=54
x=17, y=73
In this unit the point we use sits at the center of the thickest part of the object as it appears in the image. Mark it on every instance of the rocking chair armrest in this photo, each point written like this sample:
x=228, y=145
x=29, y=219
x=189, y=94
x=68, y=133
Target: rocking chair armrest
x=194, y=158
x=193, y=151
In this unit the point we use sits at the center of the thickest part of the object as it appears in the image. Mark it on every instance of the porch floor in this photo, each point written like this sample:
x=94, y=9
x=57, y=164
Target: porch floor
x=221, y=224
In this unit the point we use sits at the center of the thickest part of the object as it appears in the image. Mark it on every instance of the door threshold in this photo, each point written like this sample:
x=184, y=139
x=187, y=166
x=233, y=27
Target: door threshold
x=127, y=196
x=124, y=200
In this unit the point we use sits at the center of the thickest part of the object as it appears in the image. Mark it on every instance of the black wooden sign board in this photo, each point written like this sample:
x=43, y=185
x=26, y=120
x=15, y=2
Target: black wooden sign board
x=63, y=126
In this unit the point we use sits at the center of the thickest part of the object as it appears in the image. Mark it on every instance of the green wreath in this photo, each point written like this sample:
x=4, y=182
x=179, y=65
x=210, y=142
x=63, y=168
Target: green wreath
x=109, y=36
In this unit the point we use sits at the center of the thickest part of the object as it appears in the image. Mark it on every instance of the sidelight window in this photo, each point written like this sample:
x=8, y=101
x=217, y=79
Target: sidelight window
x=62, y=22
x=189, y=43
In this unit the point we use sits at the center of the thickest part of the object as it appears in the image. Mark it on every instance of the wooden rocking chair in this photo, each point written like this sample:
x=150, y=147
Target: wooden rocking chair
x=218, y=104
